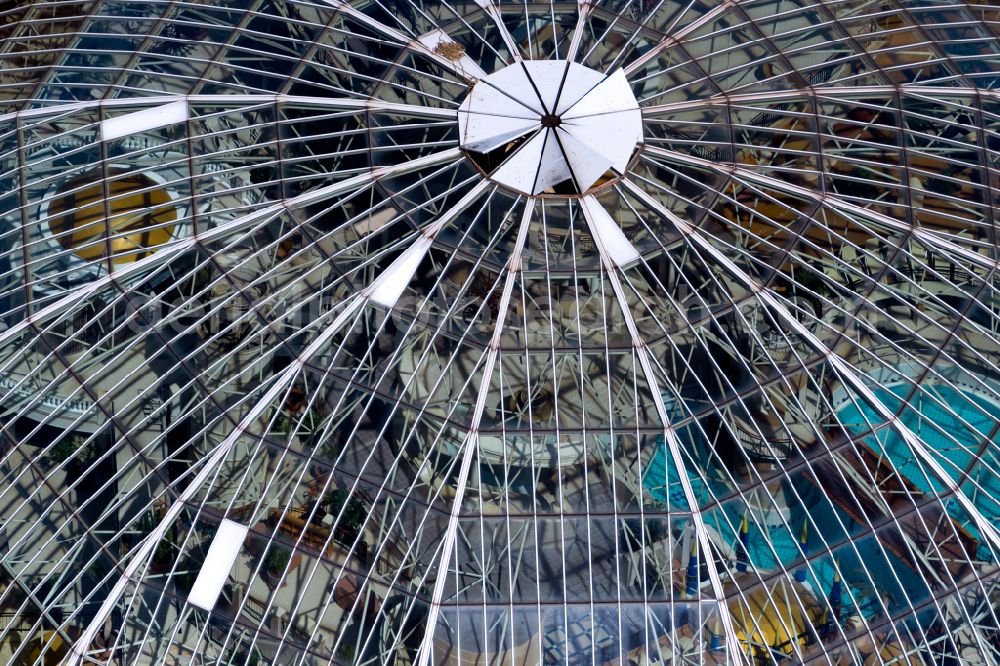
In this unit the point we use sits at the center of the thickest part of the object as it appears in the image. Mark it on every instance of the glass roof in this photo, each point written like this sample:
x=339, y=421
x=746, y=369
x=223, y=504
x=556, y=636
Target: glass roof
x=487, y=332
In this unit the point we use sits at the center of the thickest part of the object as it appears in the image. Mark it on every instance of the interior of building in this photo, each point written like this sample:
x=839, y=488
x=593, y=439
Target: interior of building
x=631, y=332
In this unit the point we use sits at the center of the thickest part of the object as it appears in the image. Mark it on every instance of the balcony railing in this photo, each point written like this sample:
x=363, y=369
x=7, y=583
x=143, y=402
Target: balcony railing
x=760, y=449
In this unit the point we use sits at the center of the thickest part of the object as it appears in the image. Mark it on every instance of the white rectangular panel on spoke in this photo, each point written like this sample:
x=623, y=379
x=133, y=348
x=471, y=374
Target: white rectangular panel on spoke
x=611, y=239
x=218, y=563
x=389, y=286
x=145, y=120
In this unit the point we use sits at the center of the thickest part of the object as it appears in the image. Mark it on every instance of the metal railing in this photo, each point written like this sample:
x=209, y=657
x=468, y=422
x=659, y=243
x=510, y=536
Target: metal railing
x=760, y=449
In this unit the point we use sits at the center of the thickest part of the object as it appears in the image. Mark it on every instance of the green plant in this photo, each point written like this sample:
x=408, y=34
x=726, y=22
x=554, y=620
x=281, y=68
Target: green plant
x=942, y=186
x=66, y=448
x=353, y=512
x=239, y=657
x=346, y=651
x=164, y=552
x=330, y=448
x=277, y=559
x=354, y=515
x=863, y=186
x=184, y=580
x=313, y=419
x=165, y=548
x=281, y=423
x=335, y=500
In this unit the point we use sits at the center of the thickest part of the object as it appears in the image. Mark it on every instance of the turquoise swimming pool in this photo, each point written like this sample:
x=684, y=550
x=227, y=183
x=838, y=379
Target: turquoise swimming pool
x=778, y=546
x=661, y=480
x=887, y=581
x=953, y=442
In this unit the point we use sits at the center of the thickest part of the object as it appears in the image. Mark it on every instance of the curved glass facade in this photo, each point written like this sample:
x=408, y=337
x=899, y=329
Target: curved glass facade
x=626, y=332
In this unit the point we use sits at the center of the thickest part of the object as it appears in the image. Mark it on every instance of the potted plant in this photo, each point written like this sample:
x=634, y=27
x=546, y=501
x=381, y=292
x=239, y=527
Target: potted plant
x=275, y=563
x=65, y=449
x=352, y=512
x=282, y=424
x=163, y=555
x=240, y=657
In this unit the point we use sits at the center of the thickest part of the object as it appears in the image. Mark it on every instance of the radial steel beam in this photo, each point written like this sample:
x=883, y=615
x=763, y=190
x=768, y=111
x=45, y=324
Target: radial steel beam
x=469, y=446
x=839, y=365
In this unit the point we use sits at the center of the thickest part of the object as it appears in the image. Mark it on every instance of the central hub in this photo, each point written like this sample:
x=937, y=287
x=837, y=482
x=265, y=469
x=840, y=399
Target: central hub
x=551, y=120
x=550, y=126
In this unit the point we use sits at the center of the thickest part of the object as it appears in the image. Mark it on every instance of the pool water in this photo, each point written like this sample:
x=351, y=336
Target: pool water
x=891, y=581
x=952, y=442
